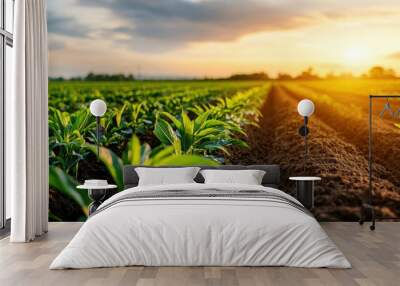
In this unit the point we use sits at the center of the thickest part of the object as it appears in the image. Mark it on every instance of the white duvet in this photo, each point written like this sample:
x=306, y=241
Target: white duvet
x=200, y=231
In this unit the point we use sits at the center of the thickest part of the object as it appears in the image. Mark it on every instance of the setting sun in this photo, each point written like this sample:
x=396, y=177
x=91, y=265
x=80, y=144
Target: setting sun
x=355, y=55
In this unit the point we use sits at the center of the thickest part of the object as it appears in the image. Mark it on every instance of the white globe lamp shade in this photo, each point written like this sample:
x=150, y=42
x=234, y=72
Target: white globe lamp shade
x=98, y=107
x=306, y=108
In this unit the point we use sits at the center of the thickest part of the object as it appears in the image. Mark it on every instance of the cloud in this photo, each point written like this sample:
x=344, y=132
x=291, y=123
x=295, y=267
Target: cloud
x=148, y=25
x=175, y=22
x=180, y=21
x=55, y=44
x=394, y=56
x=66, y=26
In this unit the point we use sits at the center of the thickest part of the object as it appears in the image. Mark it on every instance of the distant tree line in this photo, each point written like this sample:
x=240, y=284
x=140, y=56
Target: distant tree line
x=98, y=77
x=380, y=72
x=252, y=76
x=376, y=72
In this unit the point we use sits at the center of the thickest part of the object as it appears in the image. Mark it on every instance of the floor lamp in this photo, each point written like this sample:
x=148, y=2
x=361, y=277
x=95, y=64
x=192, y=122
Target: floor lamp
x=305, y=108
x=98, y=107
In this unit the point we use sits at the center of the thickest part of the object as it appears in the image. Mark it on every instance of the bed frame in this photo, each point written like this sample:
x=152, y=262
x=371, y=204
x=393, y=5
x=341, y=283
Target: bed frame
x=271, y=178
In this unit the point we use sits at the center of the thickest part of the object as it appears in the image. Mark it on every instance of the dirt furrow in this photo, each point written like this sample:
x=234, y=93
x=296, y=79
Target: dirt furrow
x=353, y=128
x=341, y=165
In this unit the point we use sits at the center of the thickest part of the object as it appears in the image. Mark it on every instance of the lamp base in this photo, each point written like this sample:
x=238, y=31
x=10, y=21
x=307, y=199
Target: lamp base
x=305, y=193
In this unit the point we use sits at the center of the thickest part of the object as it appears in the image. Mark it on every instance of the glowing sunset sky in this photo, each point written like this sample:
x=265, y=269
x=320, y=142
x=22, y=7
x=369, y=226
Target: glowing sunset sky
x=197, y=38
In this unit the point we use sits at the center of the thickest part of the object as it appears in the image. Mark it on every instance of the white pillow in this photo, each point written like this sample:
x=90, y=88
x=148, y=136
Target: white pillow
x=166, y=176
x=247, y=177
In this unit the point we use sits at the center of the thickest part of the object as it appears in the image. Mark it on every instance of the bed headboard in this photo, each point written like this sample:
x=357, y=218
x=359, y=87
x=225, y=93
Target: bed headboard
x=271, y=177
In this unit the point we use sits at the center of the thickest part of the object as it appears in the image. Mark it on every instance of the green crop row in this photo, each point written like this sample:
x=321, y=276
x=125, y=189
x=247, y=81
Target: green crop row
x=149, y=123
x=72, y=96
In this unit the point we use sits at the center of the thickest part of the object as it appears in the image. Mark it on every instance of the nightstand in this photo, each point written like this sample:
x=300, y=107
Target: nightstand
x=97, y=194
x=305, y=190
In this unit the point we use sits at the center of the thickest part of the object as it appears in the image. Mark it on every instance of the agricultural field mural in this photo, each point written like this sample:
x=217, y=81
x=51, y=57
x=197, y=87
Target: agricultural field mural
x=210, y=82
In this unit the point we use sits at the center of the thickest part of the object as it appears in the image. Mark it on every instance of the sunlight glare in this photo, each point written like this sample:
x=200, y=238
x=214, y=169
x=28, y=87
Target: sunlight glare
x=354, y=55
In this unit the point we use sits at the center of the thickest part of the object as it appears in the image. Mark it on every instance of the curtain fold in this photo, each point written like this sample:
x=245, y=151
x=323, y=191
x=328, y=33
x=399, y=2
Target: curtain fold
x=27, y=124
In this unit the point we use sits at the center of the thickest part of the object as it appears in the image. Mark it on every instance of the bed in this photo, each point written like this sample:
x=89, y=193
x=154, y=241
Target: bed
x=197, y=224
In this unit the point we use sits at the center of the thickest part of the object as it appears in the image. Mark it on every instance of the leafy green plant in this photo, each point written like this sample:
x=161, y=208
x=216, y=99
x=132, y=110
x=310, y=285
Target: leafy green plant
x=199, y=136
x=242, y=108
x=141, y=154
x=112, y=162
x=64, y=183
x=67, y=134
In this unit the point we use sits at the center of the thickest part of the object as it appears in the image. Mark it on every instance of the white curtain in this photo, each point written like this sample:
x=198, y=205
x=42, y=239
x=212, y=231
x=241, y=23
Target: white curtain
x=26, y=124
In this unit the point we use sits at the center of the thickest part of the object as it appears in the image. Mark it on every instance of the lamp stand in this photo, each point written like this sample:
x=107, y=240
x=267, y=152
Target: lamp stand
x=303, y=131
x=98, y=136
x=305, y=143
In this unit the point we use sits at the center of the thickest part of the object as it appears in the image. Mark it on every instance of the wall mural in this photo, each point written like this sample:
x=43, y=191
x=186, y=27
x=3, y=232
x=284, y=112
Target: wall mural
x=212, y=82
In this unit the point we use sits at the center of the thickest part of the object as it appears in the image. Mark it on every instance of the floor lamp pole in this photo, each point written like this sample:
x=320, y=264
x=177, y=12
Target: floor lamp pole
x=305, y=143
x=98, y=136
x=97, y=108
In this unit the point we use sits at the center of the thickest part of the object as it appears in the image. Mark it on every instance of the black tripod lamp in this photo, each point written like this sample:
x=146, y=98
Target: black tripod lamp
x=98, y=107
x=305, y=108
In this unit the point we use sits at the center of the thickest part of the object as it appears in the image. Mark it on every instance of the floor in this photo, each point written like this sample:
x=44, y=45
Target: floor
x=5, y=231
x=375, y=257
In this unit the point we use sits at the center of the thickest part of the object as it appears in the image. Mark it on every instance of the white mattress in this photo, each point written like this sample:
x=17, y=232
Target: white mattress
x=200, y=231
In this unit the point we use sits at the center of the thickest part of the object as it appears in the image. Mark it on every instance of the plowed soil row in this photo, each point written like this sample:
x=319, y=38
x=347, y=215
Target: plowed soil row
x=348, y=115
x=341, y=164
